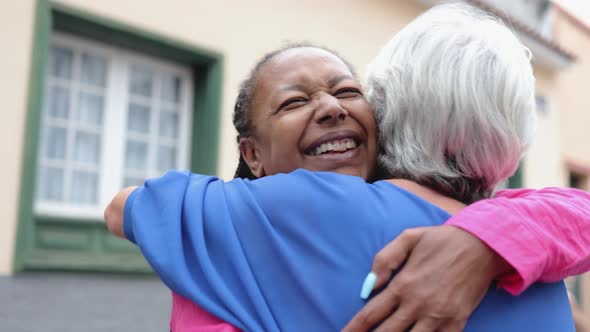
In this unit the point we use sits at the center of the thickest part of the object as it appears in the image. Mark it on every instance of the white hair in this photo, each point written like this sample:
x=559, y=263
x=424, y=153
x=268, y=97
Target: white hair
x=454, y=96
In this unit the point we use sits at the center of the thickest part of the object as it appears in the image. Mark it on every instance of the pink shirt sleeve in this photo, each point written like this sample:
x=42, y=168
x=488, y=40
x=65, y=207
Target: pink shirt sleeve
x=543, y=234
x=189, y=317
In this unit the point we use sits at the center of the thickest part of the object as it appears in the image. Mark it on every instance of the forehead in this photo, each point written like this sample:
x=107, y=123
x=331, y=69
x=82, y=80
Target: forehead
x=301, y=65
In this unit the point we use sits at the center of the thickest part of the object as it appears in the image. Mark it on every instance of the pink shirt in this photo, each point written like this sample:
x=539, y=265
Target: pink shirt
x=544, y=234
x=189, y=317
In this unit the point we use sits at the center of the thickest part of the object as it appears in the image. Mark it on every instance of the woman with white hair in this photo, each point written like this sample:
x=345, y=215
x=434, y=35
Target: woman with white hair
x=432, y=131
x=296, y=246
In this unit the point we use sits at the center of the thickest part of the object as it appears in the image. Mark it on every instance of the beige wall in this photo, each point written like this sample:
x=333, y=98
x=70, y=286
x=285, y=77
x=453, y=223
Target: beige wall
x=16, y=30
x=573, y=89
x=543, y=163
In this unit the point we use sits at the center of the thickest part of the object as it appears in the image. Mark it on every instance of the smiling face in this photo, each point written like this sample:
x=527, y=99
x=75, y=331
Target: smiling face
x=308, y=111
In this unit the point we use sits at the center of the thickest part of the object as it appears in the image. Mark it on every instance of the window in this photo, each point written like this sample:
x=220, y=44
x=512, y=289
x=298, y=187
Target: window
x=81, y=103
x=577, y=180
x=111, y=118
x=536, y=14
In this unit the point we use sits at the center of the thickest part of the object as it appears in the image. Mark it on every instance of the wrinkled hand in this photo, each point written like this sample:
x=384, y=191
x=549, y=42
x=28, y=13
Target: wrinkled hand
x=447, y=274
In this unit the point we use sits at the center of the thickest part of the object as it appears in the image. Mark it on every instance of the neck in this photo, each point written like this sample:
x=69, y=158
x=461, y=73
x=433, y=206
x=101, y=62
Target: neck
x=448, y=204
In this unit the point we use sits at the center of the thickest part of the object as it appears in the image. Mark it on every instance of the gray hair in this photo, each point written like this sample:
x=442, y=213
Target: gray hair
x=454, y=96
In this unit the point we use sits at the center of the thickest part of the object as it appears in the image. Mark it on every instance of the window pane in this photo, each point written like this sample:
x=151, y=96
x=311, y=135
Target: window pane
x=84, y=187
x=54, y=143
x=168, y=124
x=136, y=155
x=90, y=109
x=171, y=88
x=138, y=119
x=87, y=147
x=94, y=70
x=58, y=100
x=132, y=181
x=166, y=158
x=141, y=82
x=51, y=183
x=60, y=62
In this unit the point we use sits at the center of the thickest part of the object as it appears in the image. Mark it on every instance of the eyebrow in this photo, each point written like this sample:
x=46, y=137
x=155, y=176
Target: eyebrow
x=331, y=83
x=339, y=79
x=294, y=87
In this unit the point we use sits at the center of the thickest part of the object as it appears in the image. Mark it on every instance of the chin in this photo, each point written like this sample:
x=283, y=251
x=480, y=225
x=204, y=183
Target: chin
x=350, y=171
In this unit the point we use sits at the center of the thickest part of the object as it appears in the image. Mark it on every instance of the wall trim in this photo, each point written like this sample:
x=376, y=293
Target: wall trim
x=41, y=31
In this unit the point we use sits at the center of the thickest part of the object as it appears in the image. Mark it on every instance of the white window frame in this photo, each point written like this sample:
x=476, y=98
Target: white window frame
x=114, y=132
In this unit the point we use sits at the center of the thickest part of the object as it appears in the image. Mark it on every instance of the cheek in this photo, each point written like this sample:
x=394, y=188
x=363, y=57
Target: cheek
x=285, y=138
x=367, y=119
x=290, y=128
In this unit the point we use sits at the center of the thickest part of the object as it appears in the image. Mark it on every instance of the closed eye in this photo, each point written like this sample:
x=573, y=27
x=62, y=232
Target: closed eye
x=348, y=93
x=292, y=103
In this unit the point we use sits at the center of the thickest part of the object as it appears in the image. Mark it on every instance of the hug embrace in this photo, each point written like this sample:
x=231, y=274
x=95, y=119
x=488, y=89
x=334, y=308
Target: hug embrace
x=372, y=208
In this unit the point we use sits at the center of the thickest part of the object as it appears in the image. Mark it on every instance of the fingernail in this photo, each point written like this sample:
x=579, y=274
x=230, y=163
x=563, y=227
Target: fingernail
x=368, y=285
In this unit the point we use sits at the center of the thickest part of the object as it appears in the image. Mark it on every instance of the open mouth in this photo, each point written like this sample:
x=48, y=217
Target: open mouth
x=333, y=146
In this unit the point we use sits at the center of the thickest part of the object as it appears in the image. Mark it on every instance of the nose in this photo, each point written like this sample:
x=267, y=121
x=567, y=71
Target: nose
x=329, y=110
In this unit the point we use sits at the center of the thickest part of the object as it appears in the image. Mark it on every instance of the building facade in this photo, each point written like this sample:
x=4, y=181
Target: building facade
x=575, y=113
x=102, y=94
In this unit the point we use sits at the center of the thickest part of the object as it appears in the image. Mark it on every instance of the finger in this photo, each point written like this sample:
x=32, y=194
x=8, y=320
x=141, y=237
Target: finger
x=394, y=254
x=399, y=321
x=373, y=312
x=426, y=325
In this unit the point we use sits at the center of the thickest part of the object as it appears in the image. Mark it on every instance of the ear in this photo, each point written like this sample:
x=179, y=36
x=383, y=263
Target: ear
x=251, y=154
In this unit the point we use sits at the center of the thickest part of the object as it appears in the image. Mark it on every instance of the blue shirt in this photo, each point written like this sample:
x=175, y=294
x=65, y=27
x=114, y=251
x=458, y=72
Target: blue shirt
x=290, y=252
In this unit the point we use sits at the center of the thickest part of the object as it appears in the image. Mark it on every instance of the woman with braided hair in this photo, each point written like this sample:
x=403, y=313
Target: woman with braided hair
x=288, y=252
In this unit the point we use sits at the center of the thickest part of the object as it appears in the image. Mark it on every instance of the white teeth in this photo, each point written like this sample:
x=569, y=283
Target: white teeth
x=335, y=146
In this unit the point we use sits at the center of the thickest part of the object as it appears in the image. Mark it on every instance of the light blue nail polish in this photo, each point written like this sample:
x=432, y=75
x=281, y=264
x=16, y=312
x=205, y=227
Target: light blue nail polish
x=368, y=285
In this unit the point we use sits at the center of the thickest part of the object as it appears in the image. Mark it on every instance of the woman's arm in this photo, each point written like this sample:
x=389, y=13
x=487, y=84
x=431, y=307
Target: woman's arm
x=211, y=241
x=167, y=204
x=153, y=217
x=543, y=235
x=113, y=213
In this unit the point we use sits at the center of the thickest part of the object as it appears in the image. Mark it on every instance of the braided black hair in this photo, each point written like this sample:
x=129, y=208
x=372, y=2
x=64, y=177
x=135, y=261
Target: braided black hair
x=247, y=88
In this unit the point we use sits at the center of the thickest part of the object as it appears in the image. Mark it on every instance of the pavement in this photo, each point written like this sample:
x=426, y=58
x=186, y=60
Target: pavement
x=65, y=302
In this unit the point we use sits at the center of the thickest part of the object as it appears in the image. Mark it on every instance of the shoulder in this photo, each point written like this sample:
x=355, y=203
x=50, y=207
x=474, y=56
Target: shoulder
x=305, y=184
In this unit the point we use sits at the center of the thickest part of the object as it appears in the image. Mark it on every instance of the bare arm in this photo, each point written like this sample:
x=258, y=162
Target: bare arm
x=114, y=212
